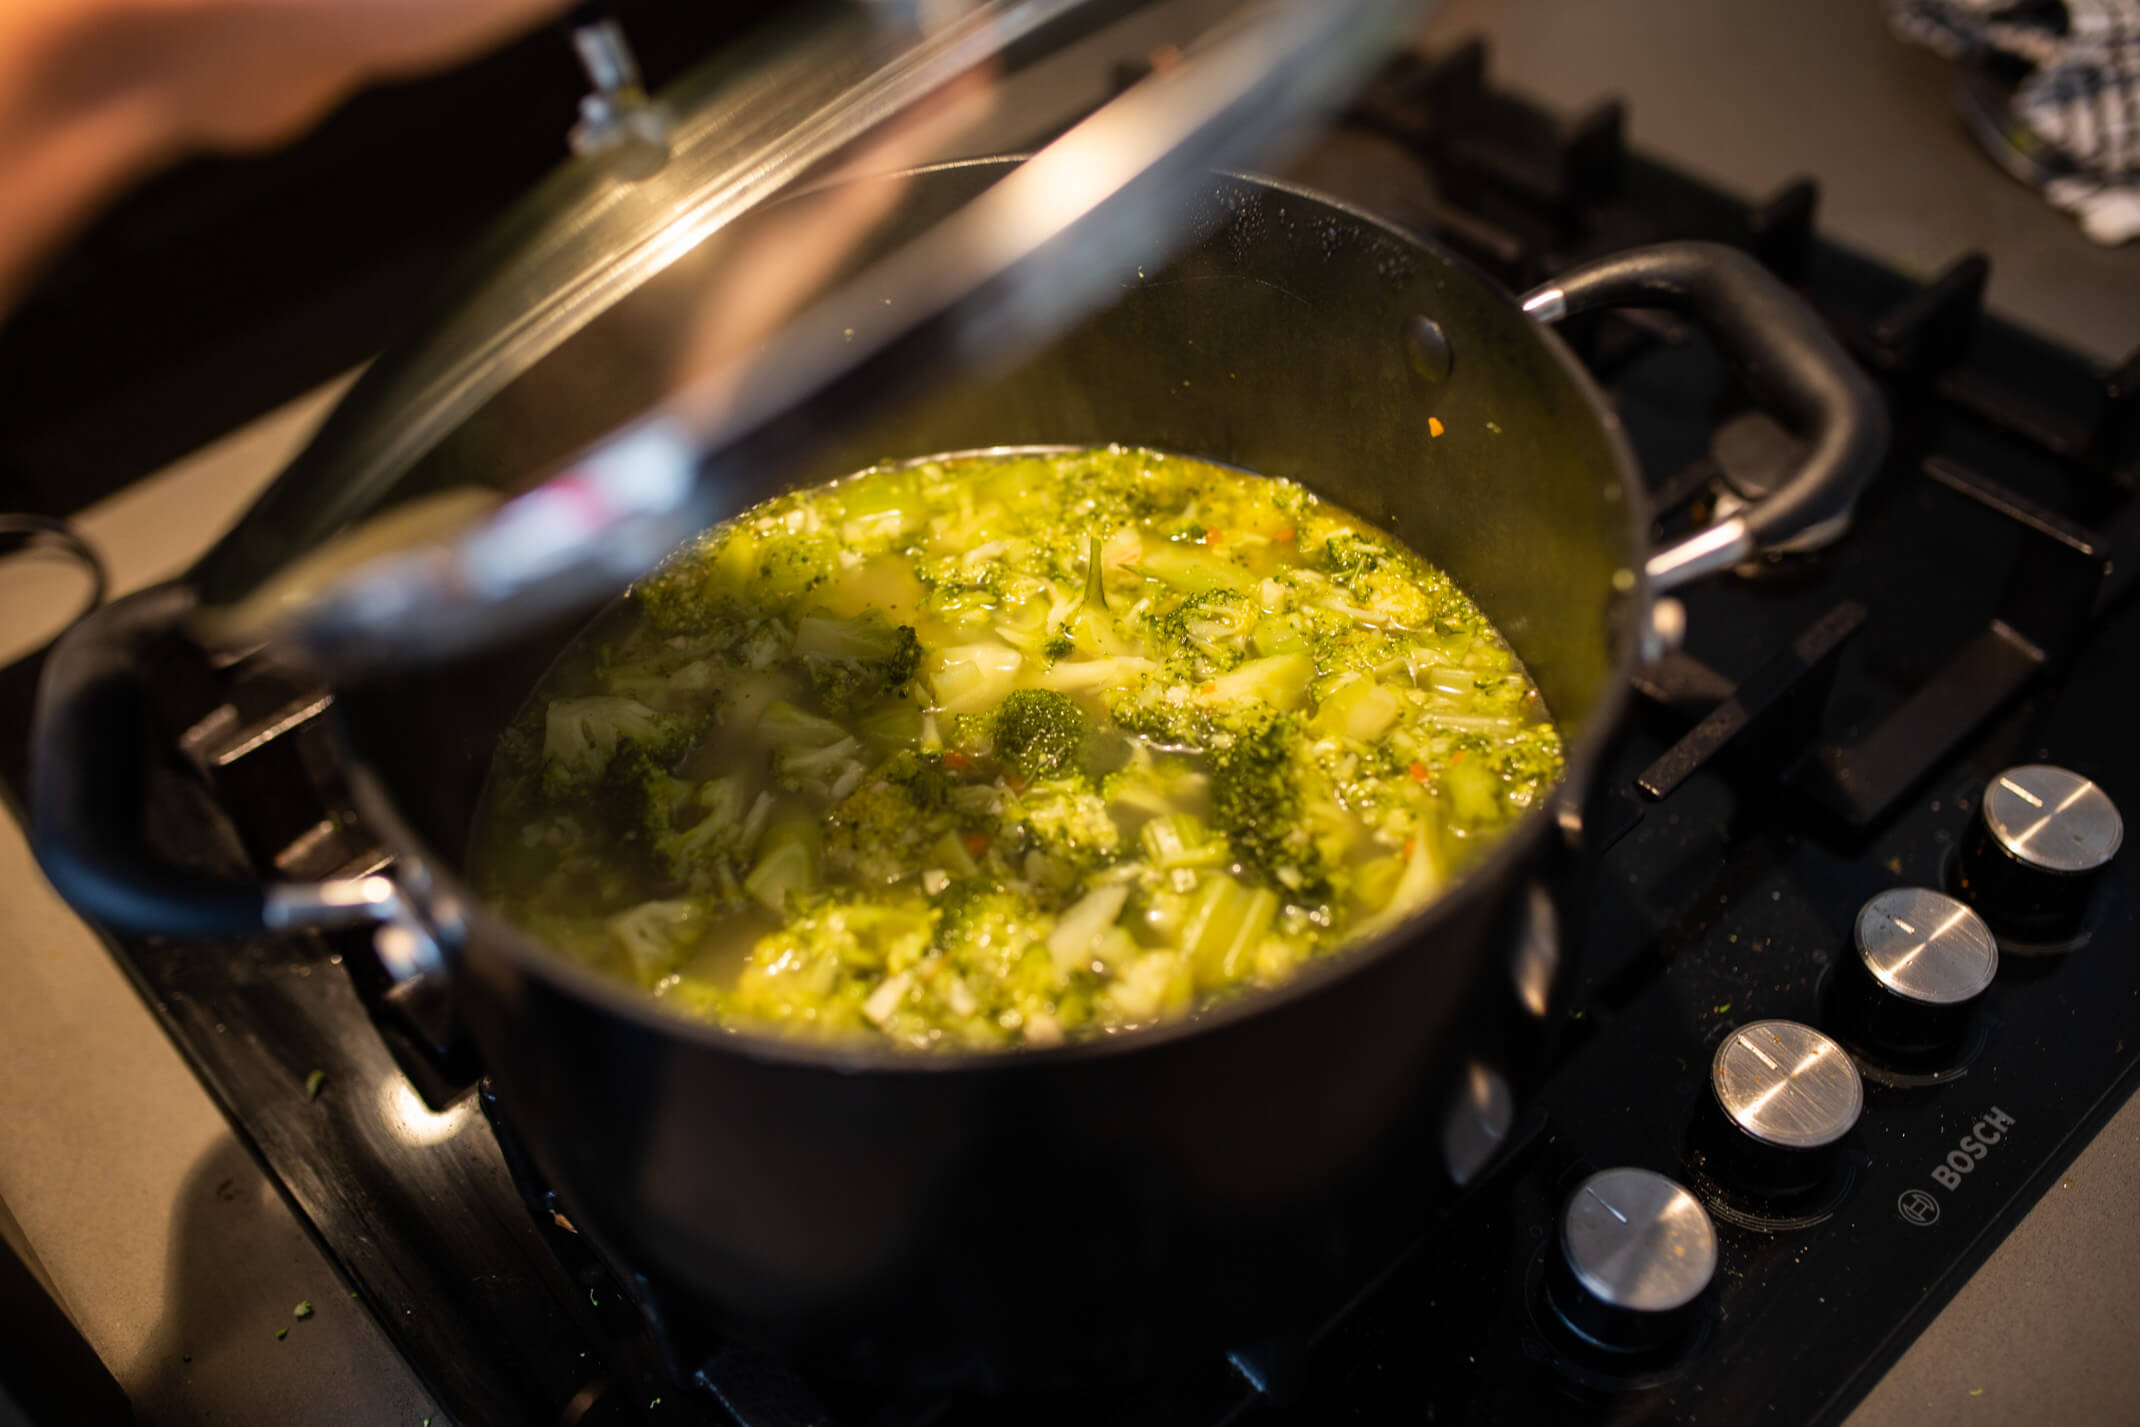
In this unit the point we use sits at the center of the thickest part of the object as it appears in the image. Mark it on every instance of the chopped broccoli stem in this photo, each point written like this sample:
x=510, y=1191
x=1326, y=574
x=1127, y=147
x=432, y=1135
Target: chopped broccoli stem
x=1181, y=840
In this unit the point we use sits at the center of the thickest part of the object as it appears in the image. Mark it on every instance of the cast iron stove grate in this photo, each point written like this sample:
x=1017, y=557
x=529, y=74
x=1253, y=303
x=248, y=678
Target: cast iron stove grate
x=1821, y=737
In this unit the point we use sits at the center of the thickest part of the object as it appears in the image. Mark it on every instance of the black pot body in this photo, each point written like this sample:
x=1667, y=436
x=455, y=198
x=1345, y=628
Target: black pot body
x=1066, y=1215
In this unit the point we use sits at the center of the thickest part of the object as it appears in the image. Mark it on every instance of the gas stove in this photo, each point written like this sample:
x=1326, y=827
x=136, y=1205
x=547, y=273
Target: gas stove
x=1862, y=828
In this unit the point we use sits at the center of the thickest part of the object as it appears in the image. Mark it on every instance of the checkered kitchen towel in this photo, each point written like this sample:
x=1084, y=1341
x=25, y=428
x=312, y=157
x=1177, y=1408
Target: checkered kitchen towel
x=2072, y=125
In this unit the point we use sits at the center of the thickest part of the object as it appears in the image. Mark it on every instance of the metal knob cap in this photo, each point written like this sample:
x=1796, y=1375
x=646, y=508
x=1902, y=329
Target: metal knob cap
x=1635, y=1252
x=1786, y=1086
x=1922, y=959
x=1782, y=1096
x=2031, y=860
x=1924, y=947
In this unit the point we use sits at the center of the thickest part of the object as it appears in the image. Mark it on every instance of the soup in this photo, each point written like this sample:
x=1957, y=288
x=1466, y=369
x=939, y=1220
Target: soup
x=1002, y=749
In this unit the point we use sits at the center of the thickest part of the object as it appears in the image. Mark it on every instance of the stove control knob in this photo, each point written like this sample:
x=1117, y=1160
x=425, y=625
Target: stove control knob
x=1635, y=1253
x=2032, y=856
x=1922, y=960
x=1782, y=1096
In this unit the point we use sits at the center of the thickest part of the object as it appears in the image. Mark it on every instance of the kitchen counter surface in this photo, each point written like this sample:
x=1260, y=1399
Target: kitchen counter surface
x=165, y=1241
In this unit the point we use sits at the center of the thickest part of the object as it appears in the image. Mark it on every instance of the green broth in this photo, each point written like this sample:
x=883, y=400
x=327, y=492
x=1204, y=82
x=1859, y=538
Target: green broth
x=1009, y=748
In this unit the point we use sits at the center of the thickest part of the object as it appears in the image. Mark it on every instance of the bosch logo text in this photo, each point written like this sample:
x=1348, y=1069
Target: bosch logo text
x=1974, y=1146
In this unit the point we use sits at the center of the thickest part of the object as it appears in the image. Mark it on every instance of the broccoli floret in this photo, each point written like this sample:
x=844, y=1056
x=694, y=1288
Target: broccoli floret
x=1347, y=557
x=882, y=830
x=830, y=772
x=763, y=643
x=854, y=663
x=1183, y=715
x=811, y=754
x=580, y=736
x=654, y=938
x=996, y=938
x=638, y=795
x=681, y=597
x=1164, y=713
x=709, y=852
x=1206, y=633
x=837, y=967
x=1256, y=800
x=1039, y=732
x=1063, y=820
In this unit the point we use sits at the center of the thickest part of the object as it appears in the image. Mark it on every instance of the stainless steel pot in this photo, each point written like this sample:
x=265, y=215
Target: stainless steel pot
x=1062, y=1214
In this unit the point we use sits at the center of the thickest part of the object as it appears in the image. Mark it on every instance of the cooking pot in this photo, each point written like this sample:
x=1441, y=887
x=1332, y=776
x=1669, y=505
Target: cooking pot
x=1066, y=1213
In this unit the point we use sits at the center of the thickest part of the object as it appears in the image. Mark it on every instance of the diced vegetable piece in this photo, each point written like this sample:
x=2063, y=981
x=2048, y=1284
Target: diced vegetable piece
x=788, y=861
x=1362, y=710
x=1376, y=882
x=890, y=728
x=881, y=510
x=967, y=678
x=1280, y=681
x=783, y=725
x=1192, y=569
x=1078, y=930
x=1224, y=924
x=949, y=852
x=1278, y=636
x=1474, y=793
x=1181, y=840
x=1156, y=985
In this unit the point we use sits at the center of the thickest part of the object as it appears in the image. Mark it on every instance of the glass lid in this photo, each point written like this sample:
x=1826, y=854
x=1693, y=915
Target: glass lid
x=678, y=321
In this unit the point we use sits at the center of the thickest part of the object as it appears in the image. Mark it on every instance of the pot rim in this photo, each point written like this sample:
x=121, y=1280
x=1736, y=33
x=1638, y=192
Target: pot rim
x=435, y=885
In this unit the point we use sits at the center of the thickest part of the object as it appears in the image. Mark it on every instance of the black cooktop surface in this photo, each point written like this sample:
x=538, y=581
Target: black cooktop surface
x=1825, y=734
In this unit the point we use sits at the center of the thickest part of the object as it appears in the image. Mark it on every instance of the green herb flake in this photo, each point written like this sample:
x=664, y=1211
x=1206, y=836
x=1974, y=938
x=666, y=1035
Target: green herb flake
x=1976, y=1392
x=1494, y=427
x=281, y=1333
x=314, y=1083
x=1722, y=1007
x=302, y=1311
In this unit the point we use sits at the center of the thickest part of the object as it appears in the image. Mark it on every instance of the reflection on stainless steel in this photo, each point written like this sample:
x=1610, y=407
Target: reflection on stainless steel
x=1536, y=966
x=1477, y=1121
x=1704, y=553
x=2053, y=819
x=1787, y=1085
x=1027, y=257
x=1638, y=1241
x=1926, y=947
x=415, y=1123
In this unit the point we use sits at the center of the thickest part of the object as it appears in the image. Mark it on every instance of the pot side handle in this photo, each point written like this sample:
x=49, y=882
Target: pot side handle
x=1785, y=358
x=94, y=741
